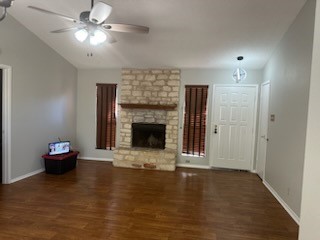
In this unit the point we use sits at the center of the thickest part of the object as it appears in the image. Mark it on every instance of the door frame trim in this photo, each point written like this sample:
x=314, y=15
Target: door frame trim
x=6, y=122
x=254, y=131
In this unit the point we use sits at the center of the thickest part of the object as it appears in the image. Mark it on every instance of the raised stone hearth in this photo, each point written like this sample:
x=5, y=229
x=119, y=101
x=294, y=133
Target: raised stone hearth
x=148, y=97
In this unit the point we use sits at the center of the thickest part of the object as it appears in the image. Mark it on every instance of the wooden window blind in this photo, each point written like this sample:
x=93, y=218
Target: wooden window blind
x=195, y=117
x=106, y=116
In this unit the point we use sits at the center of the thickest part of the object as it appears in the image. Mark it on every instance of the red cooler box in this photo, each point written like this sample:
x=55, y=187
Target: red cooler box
x=59, y=164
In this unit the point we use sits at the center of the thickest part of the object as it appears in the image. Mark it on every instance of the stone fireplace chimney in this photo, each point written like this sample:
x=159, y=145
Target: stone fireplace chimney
x=148, y=98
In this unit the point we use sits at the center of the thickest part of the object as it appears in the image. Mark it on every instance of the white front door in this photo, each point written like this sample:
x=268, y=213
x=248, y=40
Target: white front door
x=263, y=129
x=233, y=125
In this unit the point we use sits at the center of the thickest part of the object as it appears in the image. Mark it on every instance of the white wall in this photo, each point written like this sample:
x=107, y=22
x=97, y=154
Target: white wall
x=208, y=77
x=43, y=96
x=310, y=208
x=288, y=70
x=86, y=111
x=86, y=106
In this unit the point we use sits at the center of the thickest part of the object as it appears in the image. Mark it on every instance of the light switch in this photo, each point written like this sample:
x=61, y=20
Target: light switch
x=272, y=117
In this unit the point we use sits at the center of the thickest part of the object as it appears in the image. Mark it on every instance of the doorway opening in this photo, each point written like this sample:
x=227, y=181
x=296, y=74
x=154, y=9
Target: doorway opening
x=263, y=130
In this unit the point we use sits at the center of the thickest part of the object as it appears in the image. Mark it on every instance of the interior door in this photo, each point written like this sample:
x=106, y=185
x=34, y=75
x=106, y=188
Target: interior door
x=263, y=129
x=234, y=113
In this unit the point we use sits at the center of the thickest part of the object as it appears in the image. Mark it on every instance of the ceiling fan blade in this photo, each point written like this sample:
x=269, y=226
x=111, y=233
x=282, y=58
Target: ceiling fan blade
x=65, y=30
x=118, y=27
x=100, y=12
x=56, y=14
x=110, y=38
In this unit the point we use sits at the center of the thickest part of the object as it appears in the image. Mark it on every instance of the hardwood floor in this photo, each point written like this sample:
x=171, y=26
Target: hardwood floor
x=98, y=201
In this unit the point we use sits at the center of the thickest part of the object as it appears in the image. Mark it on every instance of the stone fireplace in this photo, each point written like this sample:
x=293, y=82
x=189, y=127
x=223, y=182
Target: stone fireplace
x=149, y=119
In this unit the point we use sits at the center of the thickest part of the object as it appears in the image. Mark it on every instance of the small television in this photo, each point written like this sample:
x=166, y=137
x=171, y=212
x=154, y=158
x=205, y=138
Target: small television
x=56, y=148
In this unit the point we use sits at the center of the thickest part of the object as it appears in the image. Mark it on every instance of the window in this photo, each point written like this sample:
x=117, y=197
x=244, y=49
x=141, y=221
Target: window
x=106, y=116
x=195, y=116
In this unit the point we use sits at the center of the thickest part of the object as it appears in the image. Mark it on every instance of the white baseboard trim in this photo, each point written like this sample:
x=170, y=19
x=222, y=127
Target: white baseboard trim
x=192, y=166
x=96, y=159
x=283, y=203
x=27, y=175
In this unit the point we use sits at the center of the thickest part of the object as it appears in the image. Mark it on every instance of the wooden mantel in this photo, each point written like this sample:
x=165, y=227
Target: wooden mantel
x=149, y=106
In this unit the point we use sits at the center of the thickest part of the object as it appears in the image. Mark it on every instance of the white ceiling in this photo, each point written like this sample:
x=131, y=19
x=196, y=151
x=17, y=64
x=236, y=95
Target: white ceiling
x=183, y=33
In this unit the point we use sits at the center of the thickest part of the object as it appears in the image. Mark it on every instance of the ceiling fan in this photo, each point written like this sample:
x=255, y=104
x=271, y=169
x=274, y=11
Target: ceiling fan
x=92, y=24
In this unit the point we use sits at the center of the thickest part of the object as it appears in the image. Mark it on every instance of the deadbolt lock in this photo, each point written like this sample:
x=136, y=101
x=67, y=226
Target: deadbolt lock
x=215, y=129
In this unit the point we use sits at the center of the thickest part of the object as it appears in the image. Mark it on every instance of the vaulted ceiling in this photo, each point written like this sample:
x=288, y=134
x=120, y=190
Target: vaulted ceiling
x=183, y=33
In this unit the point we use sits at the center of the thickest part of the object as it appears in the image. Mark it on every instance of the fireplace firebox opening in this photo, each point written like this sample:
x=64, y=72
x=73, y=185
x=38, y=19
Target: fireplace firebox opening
x=147, y=135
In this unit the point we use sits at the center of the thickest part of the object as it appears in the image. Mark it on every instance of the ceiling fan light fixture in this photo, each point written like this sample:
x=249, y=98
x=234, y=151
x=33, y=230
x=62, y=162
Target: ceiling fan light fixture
x=81, y=35
x=100, y=12
x=97, y=37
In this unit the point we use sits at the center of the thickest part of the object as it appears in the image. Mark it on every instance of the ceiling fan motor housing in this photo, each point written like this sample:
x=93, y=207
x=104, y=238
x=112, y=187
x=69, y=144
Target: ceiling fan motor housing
x=84, y=16
x=6, y=3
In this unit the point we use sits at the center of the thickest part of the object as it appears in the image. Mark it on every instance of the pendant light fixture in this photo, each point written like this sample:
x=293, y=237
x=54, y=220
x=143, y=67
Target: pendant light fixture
x=239, y=74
